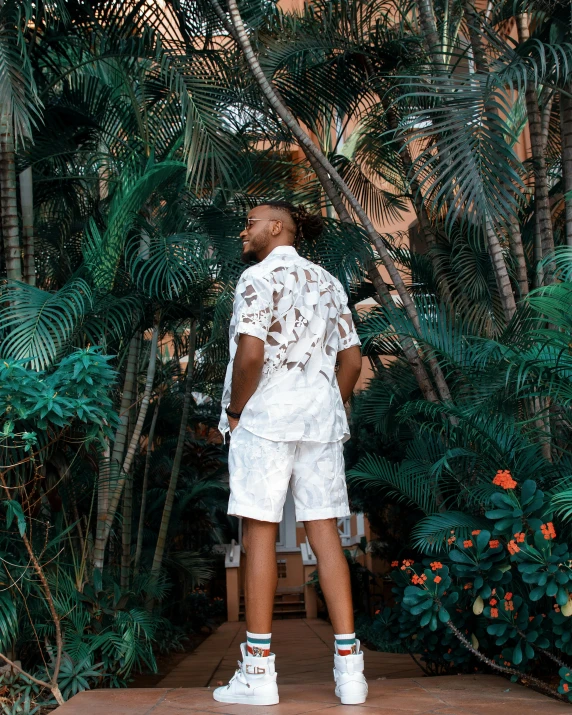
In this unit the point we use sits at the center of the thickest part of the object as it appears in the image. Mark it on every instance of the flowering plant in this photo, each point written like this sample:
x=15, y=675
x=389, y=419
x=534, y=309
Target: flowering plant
x=501, y=594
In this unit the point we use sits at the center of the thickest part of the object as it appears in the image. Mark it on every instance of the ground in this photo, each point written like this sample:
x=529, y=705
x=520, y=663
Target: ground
x=304, y=663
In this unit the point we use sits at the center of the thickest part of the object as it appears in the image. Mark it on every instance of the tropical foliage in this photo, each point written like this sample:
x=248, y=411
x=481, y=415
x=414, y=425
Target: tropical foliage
x=133, y=138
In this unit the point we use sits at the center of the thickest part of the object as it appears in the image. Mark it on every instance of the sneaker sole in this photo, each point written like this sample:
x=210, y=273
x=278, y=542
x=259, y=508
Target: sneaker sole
x=245, y=699
x=352, y=700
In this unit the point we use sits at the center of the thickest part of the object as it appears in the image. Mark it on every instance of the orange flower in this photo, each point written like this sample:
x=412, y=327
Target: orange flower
x=565, y=687
x=493, y=543
x=508, y=596
x=520, y=537
x=508, y=606
x=493, y=602
x=494, y=612
x=450, y=540
x=437, y=579
x=548, y=531
x=513, y=547
x=467, y=586
x=467, y=544
x=394, y=564
x=503, y=479
x=418, y=580
x=436, y=565
x=476, y=532
x=377, y=612
x=557, y=608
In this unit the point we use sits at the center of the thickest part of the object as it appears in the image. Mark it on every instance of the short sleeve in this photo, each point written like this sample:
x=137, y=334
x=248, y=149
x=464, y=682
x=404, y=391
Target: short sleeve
x=347, y=334
x=253, y=306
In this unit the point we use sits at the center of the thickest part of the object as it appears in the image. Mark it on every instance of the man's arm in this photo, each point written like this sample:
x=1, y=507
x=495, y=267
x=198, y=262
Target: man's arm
x=349, y=370
x=246, y=371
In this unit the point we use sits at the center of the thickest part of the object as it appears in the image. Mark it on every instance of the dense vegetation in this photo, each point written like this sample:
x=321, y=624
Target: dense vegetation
x=133, y=139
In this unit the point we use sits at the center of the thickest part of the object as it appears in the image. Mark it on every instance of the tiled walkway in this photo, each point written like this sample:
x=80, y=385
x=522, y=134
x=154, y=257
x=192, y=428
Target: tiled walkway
x=303, y=648
x=397, y=686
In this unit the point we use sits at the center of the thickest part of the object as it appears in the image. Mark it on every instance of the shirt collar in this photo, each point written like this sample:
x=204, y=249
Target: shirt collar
x=279, y=250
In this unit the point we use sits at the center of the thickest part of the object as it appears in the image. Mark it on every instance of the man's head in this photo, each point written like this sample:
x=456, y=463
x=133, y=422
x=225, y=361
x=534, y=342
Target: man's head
x=276, y=223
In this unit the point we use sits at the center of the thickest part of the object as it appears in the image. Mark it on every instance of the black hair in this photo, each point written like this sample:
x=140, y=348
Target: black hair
x=308, y=226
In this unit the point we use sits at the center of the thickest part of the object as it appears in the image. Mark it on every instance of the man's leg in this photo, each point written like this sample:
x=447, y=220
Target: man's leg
x=261, y=577
x=351, y=685
x=333, y=572
x=254, y=683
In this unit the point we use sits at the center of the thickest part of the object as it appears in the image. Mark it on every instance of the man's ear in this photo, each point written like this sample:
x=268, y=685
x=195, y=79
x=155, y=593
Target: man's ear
x=276, y=229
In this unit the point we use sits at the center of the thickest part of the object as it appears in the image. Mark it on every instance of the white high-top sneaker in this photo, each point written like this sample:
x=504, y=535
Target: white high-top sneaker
x=351, y=685
x=254, y=682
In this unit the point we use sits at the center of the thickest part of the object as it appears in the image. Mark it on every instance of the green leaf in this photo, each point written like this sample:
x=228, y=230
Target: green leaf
x=14, y=509
x=517, y=654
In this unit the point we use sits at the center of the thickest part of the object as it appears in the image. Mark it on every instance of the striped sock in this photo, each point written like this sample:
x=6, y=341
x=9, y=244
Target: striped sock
x=258, y=644
x=346, y=644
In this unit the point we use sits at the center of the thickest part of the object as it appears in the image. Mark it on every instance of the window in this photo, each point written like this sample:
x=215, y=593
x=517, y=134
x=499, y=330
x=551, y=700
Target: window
x=344, y=530
x=282, y=568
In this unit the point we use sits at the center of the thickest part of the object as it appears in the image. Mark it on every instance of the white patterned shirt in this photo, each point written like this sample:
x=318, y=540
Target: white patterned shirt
x=301, y=313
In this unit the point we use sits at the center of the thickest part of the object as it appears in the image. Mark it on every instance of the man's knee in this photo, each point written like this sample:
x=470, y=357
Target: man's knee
x=263, y=532
x=319, y=530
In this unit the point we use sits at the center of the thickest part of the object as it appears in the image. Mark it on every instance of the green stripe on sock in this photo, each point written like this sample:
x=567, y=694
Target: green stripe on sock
x=347, y=641
x=257, y=640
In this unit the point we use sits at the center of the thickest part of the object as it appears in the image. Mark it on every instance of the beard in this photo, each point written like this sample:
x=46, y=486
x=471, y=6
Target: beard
x=256, y=245
x=249, y=257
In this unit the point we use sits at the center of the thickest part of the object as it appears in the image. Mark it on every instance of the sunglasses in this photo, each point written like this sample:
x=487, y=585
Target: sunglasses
x=250, y=221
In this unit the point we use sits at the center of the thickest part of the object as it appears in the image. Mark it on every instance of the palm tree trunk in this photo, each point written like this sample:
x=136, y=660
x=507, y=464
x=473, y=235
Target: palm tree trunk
x=170, y=497
x=309, y=147
x=127, y=505
x=566, y=135
x=384, y=296
x=27, y=207
x=544, y=234
x=9, y=202
x=145, y=486
x=127, y=399
x=126, y=529
x=419, y=206
x=495, y=250
x=430, y=34
x=517, y=251
x=501, y=272
x=103, y=480
x=105, y=520
x=474, y=26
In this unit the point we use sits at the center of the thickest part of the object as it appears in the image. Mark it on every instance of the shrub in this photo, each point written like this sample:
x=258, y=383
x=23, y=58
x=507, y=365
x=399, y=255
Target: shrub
x=501, y=595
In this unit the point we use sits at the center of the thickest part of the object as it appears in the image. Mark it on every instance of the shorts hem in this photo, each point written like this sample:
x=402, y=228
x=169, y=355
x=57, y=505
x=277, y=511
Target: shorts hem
x=326, y=513
x=249, y=512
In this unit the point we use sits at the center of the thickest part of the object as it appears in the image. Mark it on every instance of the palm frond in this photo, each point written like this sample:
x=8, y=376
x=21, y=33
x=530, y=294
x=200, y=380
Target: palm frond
x=39, y=324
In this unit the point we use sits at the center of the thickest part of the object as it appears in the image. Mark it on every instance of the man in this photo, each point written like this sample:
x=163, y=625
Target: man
x=283, y=402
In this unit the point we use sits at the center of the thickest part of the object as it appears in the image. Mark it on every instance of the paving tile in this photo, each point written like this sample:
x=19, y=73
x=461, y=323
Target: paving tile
x=405, y=702
x=283, y=708
x=397, y=685
x=120, y=702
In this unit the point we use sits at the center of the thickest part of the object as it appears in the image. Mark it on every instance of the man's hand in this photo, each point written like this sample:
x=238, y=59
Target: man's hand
x=232, y=423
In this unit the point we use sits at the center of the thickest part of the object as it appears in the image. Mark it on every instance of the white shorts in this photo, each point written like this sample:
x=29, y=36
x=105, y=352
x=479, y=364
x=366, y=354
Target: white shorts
x=261, y=471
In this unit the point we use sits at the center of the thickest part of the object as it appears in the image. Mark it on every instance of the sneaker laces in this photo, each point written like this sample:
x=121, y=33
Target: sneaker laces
x=239, y=675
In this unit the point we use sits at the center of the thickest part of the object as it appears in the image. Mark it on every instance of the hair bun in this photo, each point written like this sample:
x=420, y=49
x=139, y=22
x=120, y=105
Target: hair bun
x=311, y=225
